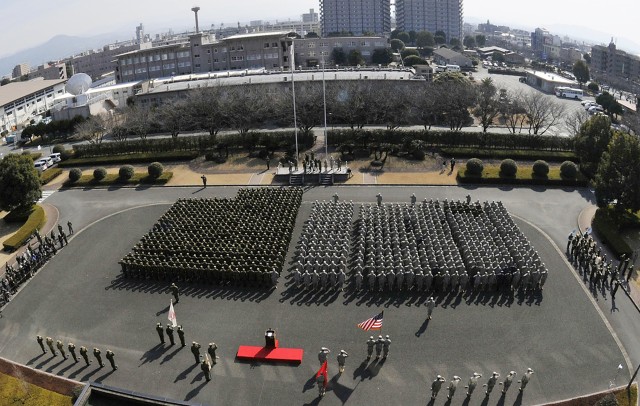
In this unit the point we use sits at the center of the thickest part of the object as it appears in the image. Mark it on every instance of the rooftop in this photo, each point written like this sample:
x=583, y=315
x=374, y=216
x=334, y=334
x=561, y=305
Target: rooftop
x=260, y=34
x=552, y=77
x=17, y=90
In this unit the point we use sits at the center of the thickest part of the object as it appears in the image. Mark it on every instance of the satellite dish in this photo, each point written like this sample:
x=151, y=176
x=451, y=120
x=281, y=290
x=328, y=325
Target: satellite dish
x=78, y=84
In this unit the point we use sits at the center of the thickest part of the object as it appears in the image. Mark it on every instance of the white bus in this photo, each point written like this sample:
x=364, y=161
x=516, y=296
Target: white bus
x=569, y=92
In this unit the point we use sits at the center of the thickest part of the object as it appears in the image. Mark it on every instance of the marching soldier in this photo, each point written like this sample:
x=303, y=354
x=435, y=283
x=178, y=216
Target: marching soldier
x=431, y=304
x=206, y=369
x=41, y=342
x=435, y=386
x=96, y=353
x=342, y=358
x=508, y=380
x=473, y=382
x=85, y=356
x=371, y=343
x=195, y=350
x=385, y=347
x=525, y=379
x=181, y=336
x=49, y=341
x=379, y=346
x=212, y=352
x=170, y=334
x=160, y=332
x=175, y=292
x=111, y=357
x=70, y=226
x=72, y=351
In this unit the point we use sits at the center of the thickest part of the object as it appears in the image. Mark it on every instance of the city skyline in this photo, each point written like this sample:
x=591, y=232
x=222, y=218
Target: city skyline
x=74, y=17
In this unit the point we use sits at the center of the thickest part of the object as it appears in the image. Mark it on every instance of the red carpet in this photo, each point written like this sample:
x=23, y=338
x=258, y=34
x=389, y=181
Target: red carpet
x=270, y=354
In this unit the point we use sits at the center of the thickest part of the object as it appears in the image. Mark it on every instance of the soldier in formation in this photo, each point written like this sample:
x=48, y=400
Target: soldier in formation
x=342, y=359
x=111, y=357
x=473, y=383
x=181, y=336
x=206, y=369
x=322, y=354
x=508, y=380
x=41, y=343
x=195, y=350
x=60, y=346
x=49, y=341
x=491, y=383
x=97, y=353
x=160, y=331
x=379, y=346
x=452, y=386
x=211, y=350
x=431, y=304
x=371, y=343
x=436, y=385
x=85, y=355
x=175, y=292
x=385, y=347
x=72, y=351
x=525, y=379
x=169, y=331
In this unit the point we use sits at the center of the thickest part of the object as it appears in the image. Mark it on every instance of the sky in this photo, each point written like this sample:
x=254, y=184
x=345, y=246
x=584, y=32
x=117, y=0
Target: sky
x=27, y=23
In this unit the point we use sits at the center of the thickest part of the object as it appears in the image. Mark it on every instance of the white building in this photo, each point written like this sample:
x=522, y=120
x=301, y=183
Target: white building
x=430, y=15
x=20, y=102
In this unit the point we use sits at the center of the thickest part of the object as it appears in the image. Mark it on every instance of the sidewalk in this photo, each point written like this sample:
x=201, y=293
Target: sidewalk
x=632, y=290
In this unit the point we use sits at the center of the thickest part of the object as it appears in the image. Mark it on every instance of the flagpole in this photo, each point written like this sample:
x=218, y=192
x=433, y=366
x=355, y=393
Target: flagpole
x=293, y=88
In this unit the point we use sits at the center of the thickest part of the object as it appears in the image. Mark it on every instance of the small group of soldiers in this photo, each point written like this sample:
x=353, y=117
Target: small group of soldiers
x=236, y=242
x=323, y=357
x=381, y=345
x=589, y=260
x=84, y=353
x=313, y=165
x=436, y=385
x=30, y=261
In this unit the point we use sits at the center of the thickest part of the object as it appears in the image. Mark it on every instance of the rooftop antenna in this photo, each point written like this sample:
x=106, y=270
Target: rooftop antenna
x=195, y=10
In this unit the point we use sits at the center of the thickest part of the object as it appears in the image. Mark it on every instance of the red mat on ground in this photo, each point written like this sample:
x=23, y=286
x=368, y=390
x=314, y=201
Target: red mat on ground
x=270, y=354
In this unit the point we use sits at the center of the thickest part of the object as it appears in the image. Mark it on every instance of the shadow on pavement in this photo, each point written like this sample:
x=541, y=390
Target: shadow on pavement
x=153, y=354
x=193, y=392
x=184, y=374
x=168, y=357
x=76, y=373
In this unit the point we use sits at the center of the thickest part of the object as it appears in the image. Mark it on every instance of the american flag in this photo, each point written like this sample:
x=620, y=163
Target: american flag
x=374, y=323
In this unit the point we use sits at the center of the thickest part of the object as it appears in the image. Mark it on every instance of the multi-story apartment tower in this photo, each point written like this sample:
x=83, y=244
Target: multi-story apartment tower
x=430, y=15
x=356, y=16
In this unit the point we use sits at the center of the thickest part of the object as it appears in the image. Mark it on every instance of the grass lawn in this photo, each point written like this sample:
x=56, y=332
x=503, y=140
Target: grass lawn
x=16, y=392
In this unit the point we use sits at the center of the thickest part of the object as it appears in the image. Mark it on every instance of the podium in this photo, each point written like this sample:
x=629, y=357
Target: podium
x=270, y=339
x=270, y=352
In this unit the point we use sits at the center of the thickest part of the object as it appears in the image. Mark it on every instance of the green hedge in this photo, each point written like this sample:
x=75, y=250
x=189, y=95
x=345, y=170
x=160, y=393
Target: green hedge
x=49, y=175
x=445, y=139
x=36, y=221
x=507, y=72
x=131, y=158
x=609, y=231
x=113, y=179
x=518, y=154
x=491, y=176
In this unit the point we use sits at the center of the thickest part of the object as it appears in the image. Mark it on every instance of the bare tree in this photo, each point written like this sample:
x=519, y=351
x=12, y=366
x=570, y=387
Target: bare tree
x=138, y=120
x=512, y=112
x=245, y=107
x=171, y=116
x=487, y=103
x=455, y=100
x=391, y=105
x=203, y=106
x=543, y=112
x=574, y=121
x=425, y=105
x=309, y=106
x=352, y=103
x=92, y=130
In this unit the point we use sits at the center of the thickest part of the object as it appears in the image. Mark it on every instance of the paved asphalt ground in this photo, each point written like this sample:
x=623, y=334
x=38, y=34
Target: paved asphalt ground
x=80, y=297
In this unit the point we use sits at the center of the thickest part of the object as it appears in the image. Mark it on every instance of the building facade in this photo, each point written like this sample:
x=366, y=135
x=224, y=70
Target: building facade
x=20, y=70
x=50, y=71
x=312, y=51
x=203, y=53
x=355, y=16
x=102, y=62
x=22, y=101
x=431, y=15
x=614, y=62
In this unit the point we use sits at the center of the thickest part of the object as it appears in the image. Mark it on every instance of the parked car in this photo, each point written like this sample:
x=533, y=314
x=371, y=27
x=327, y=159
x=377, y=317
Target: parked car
x=41, y=166
x=48, y=160
x=55, y=157
x=595, y=109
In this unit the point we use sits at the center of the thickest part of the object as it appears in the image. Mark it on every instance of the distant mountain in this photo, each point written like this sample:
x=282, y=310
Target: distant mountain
x=598, y=37
x=58, y=47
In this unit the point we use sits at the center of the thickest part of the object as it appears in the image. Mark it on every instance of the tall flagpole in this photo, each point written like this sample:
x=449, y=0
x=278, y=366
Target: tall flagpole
x=293, y=88
x=324, y=102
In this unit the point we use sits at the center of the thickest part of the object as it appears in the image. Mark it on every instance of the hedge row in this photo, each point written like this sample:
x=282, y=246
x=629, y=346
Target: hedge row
x=36, y=221
x=115, y=180
x=518, y=154
x=446, y=138
x=492, y=176
x=131, y=158
x=508, y=72
x=202, y=143
x=49, y=175
x=609, y=232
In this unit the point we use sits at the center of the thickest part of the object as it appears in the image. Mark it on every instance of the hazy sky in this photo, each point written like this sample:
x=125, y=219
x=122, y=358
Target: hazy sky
x=26, y=23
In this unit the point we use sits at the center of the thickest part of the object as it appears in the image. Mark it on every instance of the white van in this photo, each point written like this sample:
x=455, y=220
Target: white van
x=55, y=157
x=41, y=166
x=452, y=68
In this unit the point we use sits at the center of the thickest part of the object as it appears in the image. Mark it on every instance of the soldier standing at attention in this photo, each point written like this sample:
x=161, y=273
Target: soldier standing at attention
x=473, y=382
x=322, y=355
x=49, y=341
x=212, y=352
x=181, y=336
x=370, y=344
x=160, y=332
x=195, y=350
x=175, y=292
x=453, y=385
x=41, y=342
x=342, y=358
x=508, y=380
x=72, y=351
x=83, y=353
x=436, y=385
x=96, y=353
x=525, y=379
x=385, y=347
x=112, y=361
x=206, y=369
x=379, y=346
x=492, y=382
x=170, y=334
x=431, y=304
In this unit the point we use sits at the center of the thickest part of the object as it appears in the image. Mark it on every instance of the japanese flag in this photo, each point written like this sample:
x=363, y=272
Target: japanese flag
x=172, y=315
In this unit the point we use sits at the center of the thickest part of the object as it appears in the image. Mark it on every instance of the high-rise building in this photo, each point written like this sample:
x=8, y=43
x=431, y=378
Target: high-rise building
x=310, y=17
x=20, y=70
x=355, y=16
x=430, y=15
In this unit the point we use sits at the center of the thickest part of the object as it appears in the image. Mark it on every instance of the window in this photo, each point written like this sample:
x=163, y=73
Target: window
x=143, y=59
x=312, y=53
x=197, y=65
x=266, y=45
x=311, y=45
x=324, y=44
x=164, y=57
x=274, y=45
x=196, y=45
x=196, y=56
x=208, y=51
x=215, y=50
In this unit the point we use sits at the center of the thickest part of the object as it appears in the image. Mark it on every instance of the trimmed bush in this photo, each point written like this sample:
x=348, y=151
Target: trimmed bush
x=155, y=170
x=36, y=220
x=58, y=149
x=74, y=175
x=540, y=168
x=99, y=174
x=418, y=154
x=126, y=172
x=475, y=167
x=66, y=155
x=131, y=158
x=568, y=170
x=519, y=154
x=49, y=175
x=509, y=168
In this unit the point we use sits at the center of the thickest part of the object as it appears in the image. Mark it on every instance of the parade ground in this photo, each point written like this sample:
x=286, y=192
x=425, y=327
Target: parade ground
x=565, y=333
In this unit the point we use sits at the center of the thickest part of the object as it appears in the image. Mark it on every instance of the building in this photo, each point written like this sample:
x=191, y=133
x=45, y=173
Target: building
x=430, y=15
x=425, y=71
x=20, y=70
x=355, y=16
x=310, y=17
x=445, y=56
x=22, y=101
x=50, y=71
x=547, y=82
x=510, y=57
x=312, y=51
x=98, y=63
x=614, y=62
x=545, y=45
x=203, y=53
